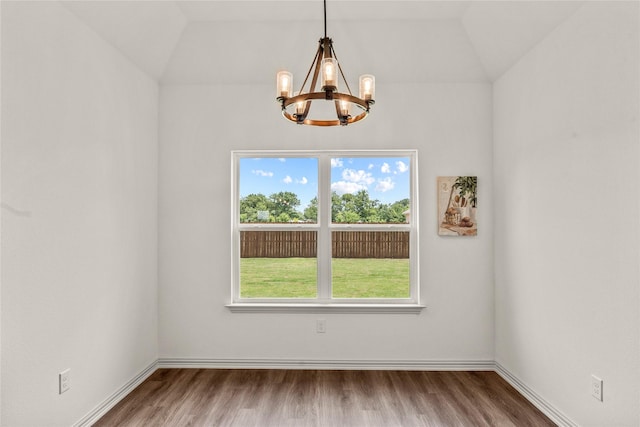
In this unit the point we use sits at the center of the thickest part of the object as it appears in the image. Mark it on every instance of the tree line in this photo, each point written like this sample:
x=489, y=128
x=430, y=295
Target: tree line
x=346, y=208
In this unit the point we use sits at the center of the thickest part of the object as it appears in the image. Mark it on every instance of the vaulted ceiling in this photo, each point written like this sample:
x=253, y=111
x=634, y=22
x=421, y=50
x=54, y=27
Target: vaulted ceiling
x=247, y=42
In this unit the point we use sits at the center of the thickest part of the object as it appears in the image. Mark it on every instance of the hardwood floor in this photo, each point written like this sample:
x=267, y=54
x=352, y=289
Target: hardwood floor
x=222, y=397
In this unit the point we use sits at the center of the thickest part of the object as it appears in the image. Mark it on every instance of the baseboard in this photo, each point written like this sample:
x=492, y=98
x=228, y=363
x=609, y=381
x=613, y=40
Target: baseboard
x=548, y=409
x=406, y=365
x=117, y=396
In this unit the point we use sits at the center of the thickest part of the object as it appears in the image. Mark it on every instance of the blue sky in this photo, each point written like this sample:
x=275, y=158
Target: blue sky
x=385, y=178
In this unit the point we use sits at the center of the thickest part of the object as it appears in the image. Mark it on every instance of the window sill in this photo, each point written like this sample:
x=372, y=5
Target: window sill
x=325, y=308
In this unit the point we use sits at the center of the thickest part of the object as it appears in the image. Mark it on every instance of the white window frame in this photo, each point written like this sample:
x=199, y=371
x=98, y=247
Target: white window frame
x=324, y=303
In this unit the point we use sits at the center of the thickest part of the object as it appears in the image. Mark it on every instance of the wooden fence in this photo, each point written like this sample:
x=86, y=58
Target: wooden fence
x=344, y=244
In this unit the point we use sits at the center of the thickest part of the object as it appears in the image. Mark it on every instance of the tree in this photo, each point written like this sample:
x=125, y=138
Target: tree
x=250, y=206
x=349, y=217
x=284, y=202
x=311, y=211
x=396, y=211
x=364, y=206
x=336, y=206
x=354, y=208
x=345, y=209
x=283, y=217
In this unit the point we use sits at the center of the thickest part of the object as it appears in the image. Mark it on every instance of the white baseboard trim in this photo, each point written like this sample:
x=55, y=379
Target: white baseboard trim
x=117, y=396
x=548, y=409
x=406, y=365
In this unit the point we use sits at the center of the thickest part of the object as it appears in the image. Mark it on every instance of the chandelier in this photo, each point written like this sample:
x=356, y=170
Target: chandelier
x=296, y=106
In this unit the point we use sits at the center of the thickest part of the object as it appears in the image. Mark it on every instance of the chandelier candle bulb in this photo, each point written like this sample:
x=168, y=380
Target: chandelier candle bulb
x=344, y=108
x=300, y=106
x=329, y=75
x=367, y=87
x=343, y=112
x=285, y=83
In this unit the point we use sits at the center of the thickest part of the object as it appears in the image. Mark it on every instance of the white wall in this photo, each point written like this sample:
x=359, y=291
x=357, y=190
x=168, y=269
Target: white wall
x=566, y=187
x=79, y=216
x=0, y=222
x=80, y=219
x=450, y=125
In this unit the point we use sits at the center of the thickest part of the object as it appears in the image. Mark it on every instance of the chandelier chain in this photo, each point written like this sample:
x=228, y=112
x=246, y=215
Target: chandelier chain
x=325, y=19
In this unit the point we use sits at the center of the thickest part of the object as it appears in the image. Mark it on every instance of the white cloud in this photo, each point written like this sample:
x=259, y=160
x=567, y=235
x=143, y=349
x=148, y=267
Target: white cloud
x=344, y=187
x=358, y=176
x=370, y=166
x=282, y=159
x=287, y=180
x=385, y=168
x=384, y=185
x=302, y=180
x=336, y=163
x=260, y=172
x=353, y=181
x=402, y=167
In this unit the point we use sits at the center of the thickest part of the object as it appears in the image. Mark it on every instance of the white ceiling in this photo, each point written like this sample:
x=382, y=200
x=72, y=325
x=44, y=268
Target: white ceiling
x=247, y=42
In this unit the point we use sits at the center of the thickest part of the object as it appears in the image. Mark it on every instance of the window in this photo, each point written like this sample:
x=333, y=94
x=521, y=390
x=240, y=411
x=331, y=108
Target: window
x=325, y=230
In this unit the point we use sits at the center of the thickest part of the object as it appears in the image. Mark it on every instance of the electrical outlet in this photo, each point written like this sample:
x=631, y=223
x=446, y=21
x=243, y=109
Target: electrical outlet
x=321, y=326
x=596, y=387
x=64, y=381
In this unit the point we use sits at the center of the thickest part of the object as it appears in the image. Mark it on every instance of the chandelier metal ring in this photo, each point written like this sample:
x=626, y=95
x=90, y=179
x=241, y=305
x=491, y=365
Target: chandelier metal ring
x=338, y=97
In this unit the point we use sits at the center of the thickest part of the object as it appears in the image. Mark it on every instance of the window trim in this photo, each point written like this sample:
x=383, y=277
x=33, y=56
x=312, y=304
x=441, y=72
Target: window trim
x=324, y=303
x=318, y=308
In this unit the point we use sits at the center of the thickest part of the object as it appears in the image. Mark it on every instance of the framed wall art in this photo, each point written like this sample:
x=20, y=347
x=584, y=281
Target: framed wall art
x=457, y=205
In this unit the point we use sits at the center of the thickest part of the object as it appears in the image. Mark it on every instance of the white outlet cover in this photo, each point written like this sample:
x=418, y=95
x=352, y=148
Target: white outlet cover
x=596, y=387
x=64, y=381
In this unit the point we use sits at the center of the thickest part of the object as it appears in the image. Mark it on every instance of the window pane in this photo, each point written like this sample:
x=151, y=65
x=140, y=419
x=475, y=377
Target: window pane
x=277, y=257
x=278, y=264
x=370, y=264
x=370, y=190
x=278, y=190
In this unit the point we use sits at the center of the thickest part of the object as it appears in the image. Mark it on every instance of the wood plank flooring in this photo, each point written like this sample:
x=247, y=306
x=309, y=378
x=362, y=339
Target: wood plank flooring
x=222, y=397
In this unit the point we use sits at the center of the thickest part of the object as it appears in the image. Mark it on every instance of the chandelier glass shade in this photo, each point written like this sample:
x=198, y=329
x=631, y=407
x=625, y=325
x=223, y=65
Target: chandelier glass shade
x=325, y=72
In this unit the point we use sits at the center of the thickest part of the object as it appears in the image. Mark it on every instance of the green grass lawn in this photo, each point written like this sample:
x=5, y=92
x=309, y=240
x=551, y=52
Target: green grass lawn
x=296, y=278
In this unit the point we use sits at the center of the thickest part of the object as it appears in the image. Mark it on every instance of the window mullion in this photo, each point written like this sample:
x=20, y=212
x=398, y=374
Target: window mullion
x=324, y=232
